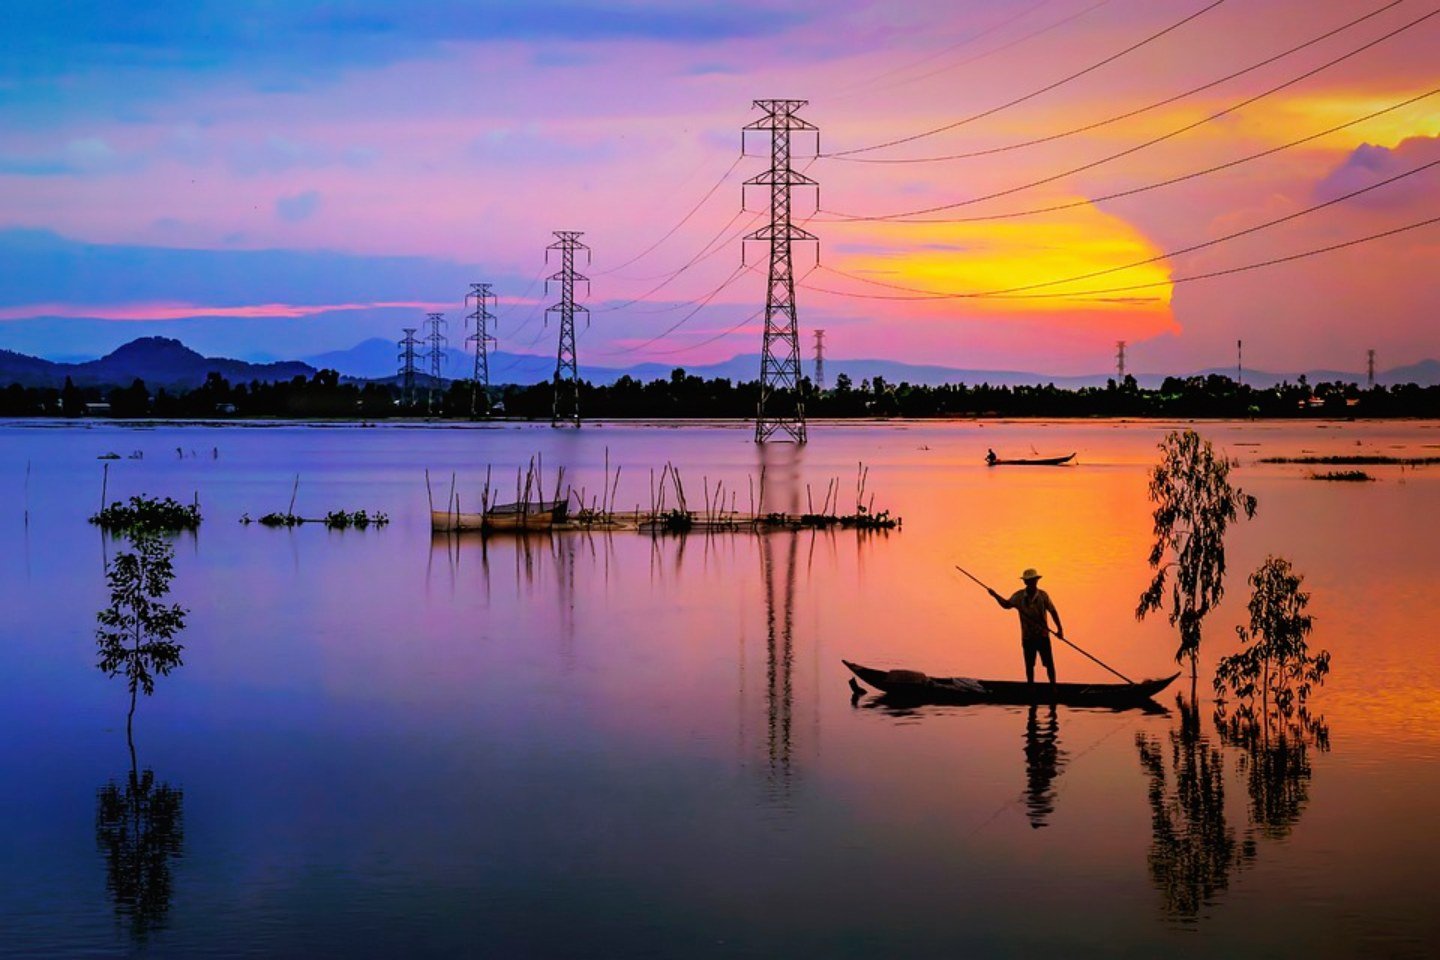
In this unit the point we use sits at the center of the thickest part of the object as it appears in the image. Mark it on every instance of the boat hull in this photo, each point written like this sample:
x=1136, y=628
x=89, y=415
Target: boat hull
x=1038, y=462
x=915, y=686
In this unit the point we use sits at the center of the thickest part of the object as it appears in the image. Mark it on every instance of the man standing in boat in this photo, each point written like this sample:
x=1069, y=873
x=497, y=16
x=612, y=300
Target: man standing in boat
x=1033, y=604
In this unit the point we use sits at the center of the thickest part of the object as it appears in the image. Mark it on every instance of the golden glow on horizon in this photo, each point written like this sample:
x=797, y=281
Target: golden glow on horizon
x=1298, y=116
x=979, y=257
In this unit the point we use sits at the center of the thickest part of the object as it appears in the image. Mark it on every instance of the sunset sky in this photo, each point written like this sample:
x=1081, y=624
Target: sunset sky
x=269, y=179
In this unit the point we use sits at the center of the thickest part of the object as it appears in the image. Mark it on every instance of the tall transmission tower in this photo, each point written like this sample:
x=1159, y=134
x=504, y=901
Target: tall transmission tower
x=1370, y=369
x=1239, y=362
x=435, y=353
x=483, y=297
x=407, y=366
x=567, y=371
x=819, y=358
x=781, y=408
x=1120, y=361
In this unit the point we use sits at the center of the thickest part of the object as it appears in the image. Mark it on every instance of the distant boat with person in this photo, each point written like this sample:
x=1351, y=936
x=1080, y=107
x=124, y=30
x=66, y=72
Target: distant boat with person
x=991, y=460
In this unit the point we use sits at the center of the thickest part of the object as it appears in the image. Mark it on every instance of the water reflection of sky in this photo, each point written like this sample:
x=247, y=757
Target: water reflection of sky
x=612, y=744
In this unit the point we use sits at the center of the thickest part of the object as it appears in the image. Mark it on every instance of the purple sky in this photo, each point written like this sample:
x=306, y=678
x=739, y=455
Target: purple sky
x=266, y=179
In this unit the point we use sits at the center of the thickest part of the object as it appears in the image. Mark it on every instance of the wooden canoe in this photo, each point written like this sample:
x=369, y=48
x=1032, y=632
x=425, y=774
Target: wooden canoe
x=1034, y=462
x=504, y=517
x=921, y=688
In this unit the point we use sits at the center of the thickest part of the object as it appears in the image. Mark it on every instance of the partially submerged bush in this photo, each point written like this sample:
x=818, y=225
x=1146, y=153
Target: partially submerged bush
x=155, y=514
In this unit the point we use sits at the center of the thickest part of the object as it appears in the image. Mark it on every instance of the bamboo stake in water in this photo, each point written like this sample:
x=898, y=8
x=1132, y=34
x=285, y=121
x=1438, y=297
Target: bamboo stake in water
x=104, y=484
x=295, y=490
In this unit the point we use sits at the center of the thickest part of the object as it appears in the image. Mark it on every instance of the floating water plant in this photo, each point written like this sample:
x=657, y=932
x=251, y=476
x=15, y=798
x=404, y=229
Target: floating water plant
x=1353, y=476
x=142, y=513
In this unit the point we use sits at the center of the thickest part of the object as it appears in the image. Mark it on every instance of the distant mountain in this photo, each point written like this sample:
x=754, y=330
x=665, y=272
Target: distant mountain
x=159, y=361
x=163, y=362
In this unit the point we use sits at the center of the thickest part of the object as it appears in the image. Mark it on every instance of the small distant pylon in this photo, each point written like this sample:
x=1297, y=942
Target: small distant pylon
x=1370, y=369
x=435, y=353
x=407, y=366
x=781, y=408
x=481, y=294
x=1120, y=361
x=566, y=407
x=1239, y=362
x=819, y=358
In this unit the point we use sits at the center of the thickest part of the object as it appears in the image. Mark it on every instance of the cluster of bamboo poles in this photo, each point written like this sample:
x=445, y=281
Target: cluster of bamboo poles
x=668, y=509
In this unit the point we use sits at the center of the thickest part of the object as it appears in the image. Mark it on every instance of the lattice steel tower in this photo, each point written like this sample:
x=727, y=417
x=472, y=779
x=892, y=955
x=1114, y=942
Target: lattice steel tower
x=407, y=366
x=1370, y=369
x=819, y=336
x=481, y=294
x=435, y=353
x=567, y=372
x=1120, y=361
x=781, y=408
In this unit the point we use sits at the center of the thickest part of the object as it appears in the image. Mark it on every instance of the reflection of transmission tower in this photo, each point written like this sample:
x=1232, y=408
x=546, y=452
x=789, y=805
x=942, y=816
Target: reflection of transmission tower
x=1120, y=360
x=781, y=408
x=480, y=378
x=567, y=371
x=779, y=655
x=435, y=353
x=407, y=366
x=819, y=359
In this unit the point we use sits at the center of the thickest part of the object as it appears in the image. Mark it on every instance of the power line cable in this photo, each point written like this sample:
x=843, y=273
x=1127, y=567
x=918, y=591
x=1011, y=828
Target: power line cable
x=1050, y=138
x=902, y=216
x=1029, y=96
x=683, y=220
x=934, y=295
x=1170, y=181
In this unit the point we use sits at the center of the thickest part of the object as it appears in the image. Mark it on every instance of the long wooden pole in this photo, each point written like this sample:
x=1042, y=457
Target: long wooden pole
x=1052, y=632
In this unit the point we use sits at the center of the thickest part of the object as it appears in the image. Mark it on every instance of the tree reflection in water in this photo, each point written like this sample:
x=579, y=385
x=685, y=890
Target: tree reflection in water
x=1043, y=761
x=1194, y=850
x=139, y=829
x=1274, y=758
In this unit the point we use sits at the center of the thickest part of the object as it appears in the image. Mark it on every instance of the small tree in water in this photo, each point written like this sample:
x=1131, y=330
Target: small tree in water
x=1276, y=664
x=1194, y=506
x=136, y=632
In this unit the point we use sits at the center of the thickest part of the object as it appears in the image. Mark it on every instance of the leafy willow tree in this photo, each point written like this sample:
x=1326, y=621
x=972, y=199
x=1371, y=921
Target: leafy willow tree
x=137, y=631
x=1195, y=504
x=1275, y=664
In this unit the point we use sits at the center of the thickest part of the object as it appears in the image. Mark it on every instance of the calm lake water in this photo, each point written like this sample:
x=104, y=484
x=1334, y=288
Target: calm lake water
x=383, y=744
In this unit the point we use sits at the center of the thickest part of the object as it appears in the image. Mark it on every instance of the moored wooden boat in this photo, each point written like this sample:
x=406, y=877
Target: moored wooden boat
x=1032, y=462
x=504, y=517
x=922, y=688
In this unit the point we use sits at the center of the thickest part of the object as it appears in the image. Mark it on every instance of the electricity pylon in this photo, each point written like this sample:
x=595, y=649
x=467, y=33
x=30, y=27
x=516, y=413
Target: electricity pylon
x=819, y=359
x=481, y=294
x=567, y=372
x=781, y=408
x=435, y=353
x=407, y=366
x=1120, y=361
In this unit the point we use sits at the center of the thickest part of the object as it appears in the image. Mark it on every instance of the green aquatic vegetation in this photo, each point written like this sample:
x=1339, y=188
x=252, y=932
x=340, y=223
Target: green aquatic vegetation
x=339, y=519
x=1357, y=460
x=142, y=513
x=1353, y=476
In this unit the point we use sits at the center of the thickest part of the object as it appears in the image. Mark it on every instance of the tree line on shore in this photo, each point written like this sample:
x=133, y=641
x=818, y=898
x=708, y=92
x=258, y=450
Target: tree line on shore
x=327, y=395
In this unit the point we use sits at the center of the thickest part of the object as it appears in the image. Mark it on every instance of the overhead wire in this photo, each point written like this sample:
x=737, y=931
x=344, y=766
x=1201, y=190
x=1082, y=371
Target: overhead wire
x=902, y=217
x=1180, y=178
x=683, y=220
x=1085, y=128
x=1024, y=38
x=936, y=295
x=1031, y=95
